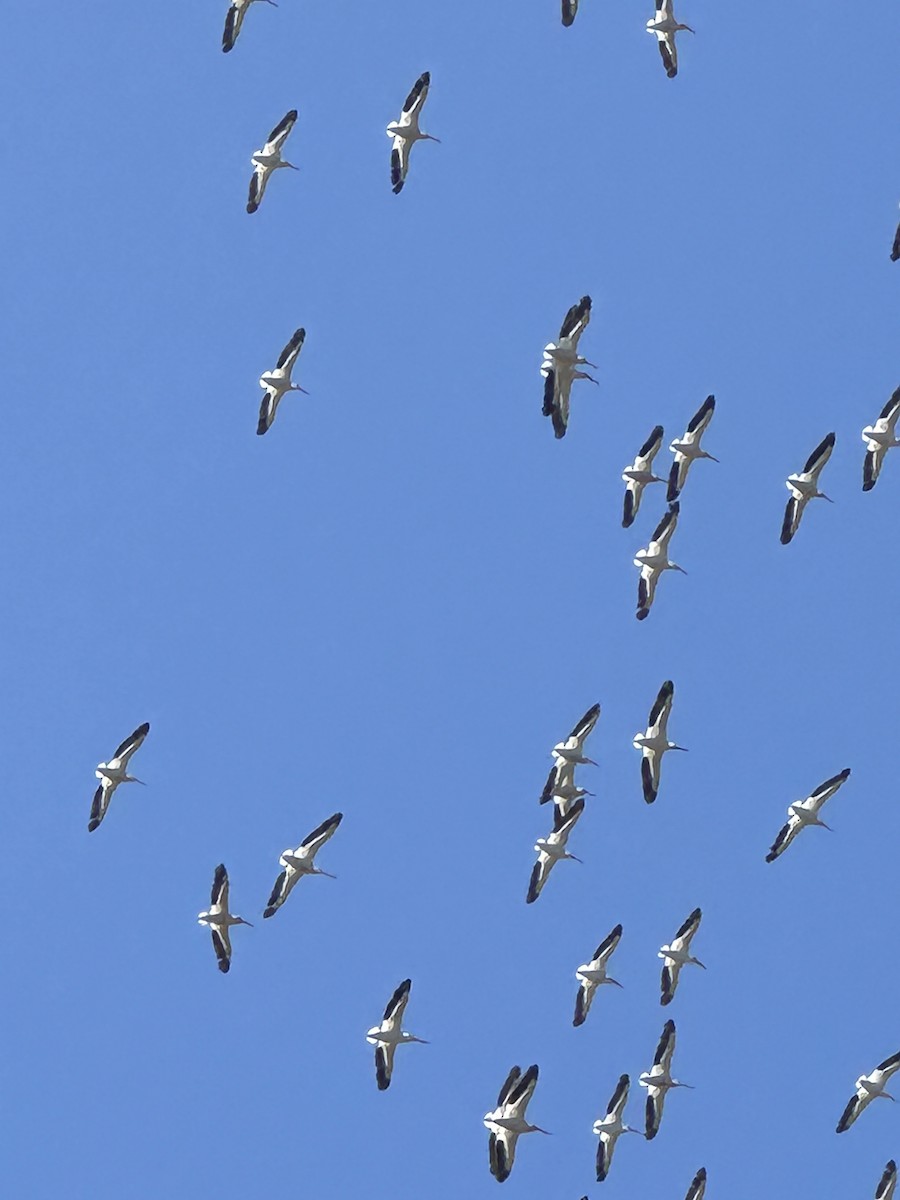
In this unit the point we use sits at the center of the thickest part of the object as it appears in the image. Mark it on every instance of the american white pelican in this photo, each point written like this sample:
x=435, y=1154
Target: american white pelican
x=269, y=159
x=639, y=474
x=387, y=1036
x=560, y=365
x=300, y=862
x=687, y=449
x=277, y=383
x=806, y=812
x=572, y=749
x=569, y=9
x=114, y=772
x=406, y=131
x=507, y=1120
x=677, y=955
x=653, y=560
x=804, y=487
x=561, y=787
x=654, y=742
x=591, y=975
x=665, y=26
x=610, y=1127
x=888, y=1182
x=697, y=1190
x=869, y=1088
x=218, y=919
x=879, y=438
x=553, y=847
x=234, y=19
x=658, y=1080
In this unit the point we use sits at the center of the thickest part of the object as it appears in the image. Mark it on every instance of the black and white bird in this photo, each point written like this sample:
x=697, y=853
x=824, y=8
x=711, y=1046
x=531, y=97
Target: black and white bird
x=611, y=1126
x=507, y=1121
x=868, y=1088
x=665, y=27
x=639, y=474
x=561, y=787
x=677, y=955
x=888, y=1182
x=654, y=559
x=387, y=1036
x=658, y=1080
x=553, y=847
x=277, y=382
x=572, y=749
x=880, y=438
x=560, y=365
x=654, y=742
x=269, y=159
x=569, y=9
x=805, y=487
x=697, y=1190
x=219, y=919
x=406, y=132
x=114, y=772
x=234, y=19
x=806, y=812
x=687, y=449
x=300, y=862
x=593, y=974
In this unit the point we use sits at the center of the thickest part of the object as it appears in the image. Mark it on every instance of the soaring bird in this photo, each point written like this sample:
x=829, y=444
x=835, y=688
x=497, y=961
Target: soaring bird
x=553, y=847
x=406, y=132
x=654, y=559
x=507, y=1121
x=572, y=749
x=561, y=787
x=806, y=812
x=611, y=1126
x=654, y=742
x=687, y=449
x=277, y=382
x=300, y=862
x=234, y=19
x=269, y=159
x=658, y=1080
x=387, y=1036
x=880, y=438
x=114, y=772
x=676, y=955
x=593, y=974
x=665, y=27
x=805, y=487
x=639, y=474
x=868, y=1088
x=560, y=365
x=219, y=919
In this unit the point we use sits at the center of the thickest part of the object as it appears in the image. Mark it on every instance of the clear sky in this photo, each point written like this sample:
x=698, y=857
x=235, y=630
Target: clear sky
x=395, y=602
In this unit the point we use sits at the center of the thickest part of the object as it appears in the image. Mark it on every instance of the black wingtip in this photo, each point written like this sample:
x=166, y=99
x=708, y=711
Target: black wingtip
x=269, y=912
x=770, y=857
x=224, y=966
x=642, y=613
x=92, y=825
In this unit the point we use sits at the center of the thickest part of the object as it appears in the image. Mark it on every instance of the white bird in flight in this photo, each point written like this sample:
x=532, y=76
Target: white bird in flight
x=654, y=559
x=805, y=487
x=553, y=848
x=561, y=787
x=687, y=449
x=277, y=382
x=300, y=862
x=806, y=812
x=678, y=954
x=219, y=919
x=639, y=474
x=406, y=131
x=114, y=772
x=234, y=19
x=572, y=749
x=654, y=742
x=665, y=27
x=658, y=1080
x=593, y=974
x=387, y=1036
x=269, y=159
x=610, y=1127
x=880, y=438
x=868, y=1088
x=507, y=1121
x=560, y=364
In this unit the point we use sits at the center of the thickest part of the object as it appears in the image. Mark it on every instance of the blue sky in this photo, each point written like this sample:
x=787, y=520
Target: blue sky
x=400, y=598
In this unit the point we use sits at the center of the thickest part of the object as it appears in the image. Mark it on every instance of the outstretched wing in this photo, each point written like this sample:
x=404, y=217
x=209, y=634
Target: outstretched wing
x=786, y=835
x=669, y=55
x=267, y=410
x=258, y=181
x=278, y=896
x=569, y=9
x=234, y=19
x=576, y=321
x=399, y=163
x=384, y=1064
x=132, y=743
x=289, y=354
x=279, y=134
x=99, y=804
x=697, y=1190
x=222, y=945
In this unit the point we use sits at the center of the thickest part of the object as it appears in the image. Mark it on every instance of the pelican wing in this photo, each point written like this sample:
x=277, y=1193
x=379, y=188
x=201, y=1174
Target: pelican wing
x=886, y=1069
x=576, y=321
x=267, y=410
x=569, y=9
x=651, y=762
x=583, y=998
x=416, y=98
x=396, y=1006
x=258, y=181
x=521, y=1092
x=280, y=891
x=399, y=163
x=872, y=467
x=502, y=1150
x=508, y=1084
x=659, y=713
x=665, y=39
x=786, y=835
x=129, y=746
x=824, y=791
x=619, y=1098
x=586, y=724
x=701, y=418
x=384, y=1064
x=557, y=387
x=792, y=514
x=666, y=1047
x=606, y=948
x=100, y=804
x=891, y=410
x=218, y=901
x=887, y=1183
x=234, y=19
x=649, y=450
x=633, y=493
x=279, y=134
x=653, y=1111
x=539, y=873
x=697, y=1190
x=222, y=945
x=560, y=773
x=646, y=591
x=290, y=353
x=819, y=456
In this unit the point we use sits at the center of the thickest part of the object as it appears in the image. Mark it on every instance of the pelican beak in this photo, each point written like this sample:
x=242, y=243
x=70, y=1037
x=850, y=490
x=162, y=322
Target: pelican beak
x=618, y=985
x=711, y=457
x=698, y=963
x=578, y=860
x=828, y=498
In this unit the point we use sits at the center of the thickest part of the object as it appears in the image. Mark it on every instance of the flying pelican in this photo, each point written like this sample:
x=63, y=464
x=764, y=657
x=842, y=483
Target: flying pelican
x=806, y=812
x=387, y=1036
x=300, y=862
x=560, y=365
x=887, y=1183
x=869, y=1088
x=609, y=1128
x=590, y=976
x=639, y=474
x=697, y=1190
x=569, y=9
x=804, y=487
x=561, y=787
x=552, y=848
x=664, y=26
x=234, y=19
x=277, y=382
x=269, y=159
x=658, y=1080
x=653, y=560
x=572, y=749
x=219, y=919
x=677, y=954
x=879, y=438
x=406, y=132
x=114, y=772
x=687, y=448
x=654, y=742
x=507, y=1120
